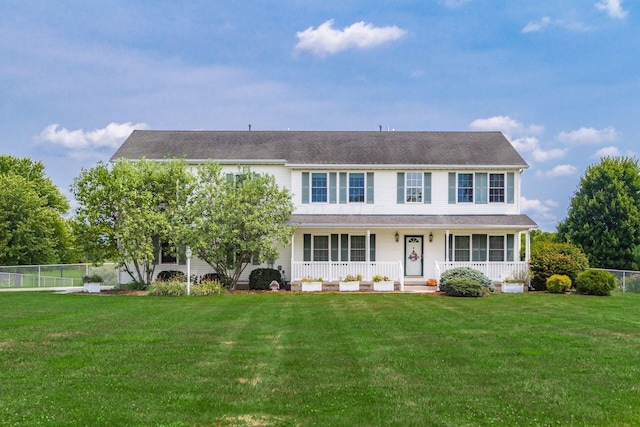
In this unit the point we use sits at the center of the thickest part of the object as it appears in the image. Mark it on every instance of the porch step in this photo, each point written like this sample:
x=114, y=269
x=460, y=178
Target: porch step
x=419, y=288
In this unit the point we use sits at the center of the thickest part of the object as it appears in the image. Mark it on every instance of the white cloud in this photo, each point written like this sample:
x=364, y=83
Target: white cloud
x=544, y=156
x=537, y=26
x=505, y=124
x=613, y=8
x=588, y=136
x=82, y=144
x=537, y=207
x=607, y=152
x=327, y=40
x=559, y=171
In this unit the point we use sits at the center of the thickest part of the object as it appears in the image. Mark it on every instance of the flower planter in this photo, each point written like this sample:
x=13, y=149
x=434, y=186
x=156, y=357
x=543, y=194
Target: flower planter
x=349, y=286
x=384, y=286
x=311, y=286
x=513, y=288
x=92, y=288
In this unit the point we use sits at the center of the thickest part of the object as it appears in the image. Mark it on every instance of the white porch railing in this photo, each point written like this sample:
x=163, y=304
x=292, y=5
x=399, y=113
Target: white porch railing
x=493, y=270
x=333, y=271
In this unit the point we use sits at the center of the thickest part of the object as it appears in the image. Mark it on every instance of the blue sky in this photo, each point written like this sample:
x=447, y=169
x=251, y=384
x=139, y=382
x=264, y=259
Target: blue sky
x=559, y=78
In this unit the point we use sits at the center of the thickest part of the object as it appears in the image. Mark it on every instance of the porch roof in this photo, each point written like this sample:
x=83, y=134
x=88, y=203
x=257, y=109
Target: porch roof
x=406, y=221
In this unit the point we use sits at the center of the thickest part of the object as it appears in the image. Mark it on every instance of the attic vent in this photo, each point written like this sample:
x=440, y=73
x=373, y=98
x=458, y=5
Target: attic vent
x=249, y=128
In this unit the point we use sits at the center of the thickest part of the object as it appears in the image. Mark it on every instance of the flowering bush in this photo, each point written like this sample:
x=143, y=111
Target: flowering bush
x=352, y=278
x=380, y=278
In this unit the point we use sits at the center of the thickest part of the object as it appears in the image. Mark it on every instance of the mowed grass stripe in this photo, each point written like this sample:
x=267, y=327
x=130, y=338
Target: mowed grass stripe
x=323, y=359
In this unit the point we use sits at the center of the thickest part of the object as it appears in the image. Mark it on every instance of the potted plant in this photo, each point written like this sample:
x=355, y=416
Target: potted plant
x=382, y=283
x=310, y=284
x=516, y=283
x=350, y=283
x=92, y=283
x=432, y=282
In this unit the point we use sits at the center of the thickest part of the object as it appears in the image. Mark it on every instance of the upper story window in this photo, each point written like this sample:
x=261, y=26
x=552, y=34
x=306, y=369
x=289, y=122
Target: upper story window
x=319, y=187
x=465, y=188
x=413, y=187
x=481, y=187
x=356, y=188
x=496, y=188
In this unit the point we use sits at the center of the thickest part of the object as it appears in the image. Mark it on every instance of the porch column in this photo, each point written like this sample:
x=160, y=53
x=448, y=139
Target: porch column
x=293, y=239
x=527, y=249
x=446, y=246
x=368, y=255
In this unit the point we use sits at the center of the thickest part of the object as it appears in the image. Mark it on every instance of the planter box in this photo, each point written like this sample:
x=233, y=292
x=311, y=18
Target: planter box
x=311, y=286
x=92, y=288
x=349, y=286
x=512, y=288
x=384, y=286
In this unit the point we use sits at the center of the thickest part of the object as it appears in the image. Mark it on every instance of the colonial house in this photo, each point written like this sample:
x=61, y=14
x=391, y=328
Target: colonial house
x=407, y=205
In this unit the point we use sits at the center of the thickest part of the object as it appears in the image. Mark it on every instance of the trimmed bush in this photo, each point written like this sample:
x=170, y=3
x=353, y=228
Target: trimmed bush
x=596, y=282
x=558, y=284
x=135, y=286
x=169, y=275
x=206, y=288
x=465, y=287
x=467, y=273
x=172, y=288
x=261, y=278
x=548, y=259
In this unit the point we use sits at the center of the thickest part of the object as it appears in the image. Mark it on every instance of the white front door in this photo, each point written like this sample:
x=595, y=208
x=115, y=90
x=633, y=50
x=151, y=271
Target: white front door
x=413, y=256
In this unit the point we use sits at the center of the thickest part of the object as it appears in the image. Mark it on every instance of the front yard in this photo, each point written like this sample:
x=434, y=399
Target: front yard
x=319, y=359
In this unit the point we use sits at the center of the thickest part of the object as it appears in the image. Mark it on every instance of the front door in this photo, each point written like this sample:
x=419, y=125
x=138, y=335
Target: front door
x=413, y=256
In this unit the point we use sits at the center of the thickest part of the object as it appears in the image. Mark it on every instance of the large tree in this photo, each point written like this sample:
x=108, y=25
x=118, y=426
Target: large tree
x=125, y=210
x=236, y=217
x=604, y=214
x=32, y=225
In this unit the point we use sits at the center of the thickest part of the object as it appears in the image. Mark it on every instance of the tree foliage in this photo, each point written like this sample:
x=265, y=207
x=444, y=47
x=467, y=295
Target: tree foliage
x=548, y=259
x=126, y=210
x=604, y=214
x=236, y=217
x=32, y=225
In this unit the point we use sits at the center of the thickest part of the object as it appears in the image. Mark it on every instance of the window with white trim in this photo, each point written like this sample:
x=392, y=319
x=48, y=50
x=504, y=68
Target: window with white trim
x=462, y=248
x=321, y=248
x=465, y=188
x=318, y=187
x=356, y=187
x=413, y=187
x=496, y=248
x=496, y=188
x=358, y=248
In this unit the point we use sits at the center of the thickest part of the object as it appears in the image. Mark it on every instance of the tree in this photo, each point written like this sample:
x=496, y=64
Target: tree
x=32, y=225
x=604, y=214
x=126, y=210
x=236, y=217
x=548, y=259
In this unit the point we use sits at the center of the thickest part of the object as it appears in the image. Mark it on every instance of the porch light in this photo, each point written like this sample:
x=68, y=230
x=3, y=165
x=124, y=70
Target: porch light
x=430, y=237
x=397, y=237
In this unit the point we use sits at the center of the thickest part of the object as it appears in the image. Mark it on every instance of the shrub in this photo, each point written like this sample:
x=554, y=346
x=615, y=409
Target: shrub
x=548, y=259
x=92, y=278
x=136, y=286
x=261, y=278
x=171, y=288
x=206, y=288
x=595, y=282
x=210, y=277
x=558, y=284
x=465, y=287
x=169, y=275
x=465, y=272
x=632, y=284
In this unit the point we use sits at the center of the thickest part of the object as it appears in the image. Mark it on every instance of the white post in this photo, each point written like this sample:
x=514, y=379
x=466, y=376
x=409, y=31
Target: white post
x=187, y=252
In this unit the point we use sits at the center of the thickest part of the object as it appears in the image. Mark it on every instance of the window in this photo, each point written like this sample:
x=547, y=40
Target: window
x=413, y=187
x=319, y=187
x=321, y=248
x=496, y=248
x=166, y=254
x=358, y=250
x=496, y=188
x=462, y=248
x=465, y=188
x=356, y=188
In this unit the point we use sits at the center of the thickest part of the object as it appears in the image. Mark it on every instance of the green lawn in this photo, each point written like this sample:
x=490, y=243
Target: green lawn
x=323, y=359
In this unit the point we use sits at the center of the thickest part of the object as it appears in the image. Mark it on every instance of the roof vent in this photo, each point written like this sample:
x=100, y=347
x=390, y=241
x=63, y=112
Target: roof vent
x=249, y=128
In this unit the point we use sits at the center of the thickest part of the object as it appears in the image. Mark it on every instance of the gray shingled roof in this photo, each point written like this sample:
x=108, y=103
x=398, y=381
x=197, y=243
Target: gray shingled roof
x=326, y=147
x=430, y=221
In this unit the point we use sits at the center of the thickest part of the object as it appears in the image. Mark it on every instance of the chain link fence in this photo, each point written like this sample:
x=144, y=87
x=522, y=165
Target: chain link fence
x=628, y=280
x=54, y=276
